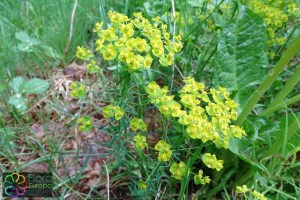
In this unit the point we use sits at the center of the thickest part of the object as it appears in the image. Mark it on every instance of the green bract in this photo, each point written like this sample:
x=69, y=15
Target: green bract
x=140, y=141
x=77, y=90
x=138, y=124
x=113, y=111
x=85, y=123
x=199, y=179
x=164, y=153
x=179, y=170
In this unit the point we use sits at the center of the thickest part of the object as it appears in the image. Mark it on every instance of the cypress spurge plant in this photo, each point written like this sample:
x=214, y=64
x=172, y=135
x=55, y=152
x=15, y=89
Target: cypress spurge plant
x=196, y=120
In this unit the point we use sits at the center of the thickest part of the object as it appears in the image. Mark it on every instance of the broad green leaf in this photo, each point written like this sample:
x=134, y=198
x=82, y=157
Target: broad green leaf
x=49, y=51
x=241, y=58
x=18, y=101
x=26, y=42
x=24, y=37
x=17, y=84
x=243, y=150
x=35, y=86
x=25, y=47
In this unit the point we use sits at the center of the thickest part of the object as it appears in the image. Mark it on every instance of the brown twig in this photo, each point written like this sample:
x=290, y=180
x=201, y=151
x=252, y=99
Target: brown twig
x=71, y=27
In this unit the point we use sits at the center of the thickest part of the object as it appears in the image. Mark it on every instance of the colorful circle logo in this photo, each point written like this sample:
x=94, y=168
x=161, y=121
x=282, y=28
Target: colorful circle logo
x=15, y=185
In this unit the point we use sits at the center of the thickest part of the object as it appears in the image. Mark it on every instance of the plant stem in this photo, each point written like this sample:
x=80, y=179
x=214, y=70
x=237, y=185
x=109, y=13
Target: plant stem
x=270, y=78
x=71, y=28
x=286, y=103
x=288, y=87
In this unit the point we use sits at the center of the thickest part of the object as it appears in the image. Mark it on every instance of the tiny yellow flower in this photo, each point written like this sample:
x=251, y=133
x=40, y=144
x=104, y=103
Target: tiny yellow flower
x=127, y=30
x=142, y=185
x=118, y=113
x=164, y=151
x=211, y=161
x=108, y=111
x=164, y=155
x=148, y=61
x=77, y=90
x=179, y=170
x=133, y=62
x=112, y=111
x=158, y=51
x=140, y=141
x=98, y=27
x=110, y=52
x=99, y=44
x=138, y=124
x=85, y=123
x=199, y=179
x=92, y=67
x=162, y=146
x=83, y=53
x=109, y=34
x=258, y=195
x=242, y=189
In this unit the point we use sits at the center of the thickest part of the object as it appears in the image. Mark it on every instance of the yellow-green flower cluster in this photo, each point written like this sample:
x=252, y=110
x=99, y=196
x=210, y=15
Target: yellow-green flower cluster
x=207, y=115
x=199, y=179
x=258, y=195
x=113, y=111
x=244, y=189
x=164, y=152
x=85, y=123
x=77, y=90
x=83, y=53
x=92, y=67
x=140, y=141
x=142, y=185
x=274, y=17
x=293, y=9
x=179, y=170
x=210, y=160
x=138, y=124
x=135, y=42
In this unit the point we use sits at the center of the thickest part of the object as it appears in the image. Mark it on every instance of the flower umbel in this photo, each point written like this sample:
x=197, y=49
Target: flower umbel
x=77, y=90
x=140, y=141
x=210, y=122
x=138, y=124
x=85, y=123
x=199, y=179
x=164, y=152
x=179, y=170
x=113, y=111
x=210, y=160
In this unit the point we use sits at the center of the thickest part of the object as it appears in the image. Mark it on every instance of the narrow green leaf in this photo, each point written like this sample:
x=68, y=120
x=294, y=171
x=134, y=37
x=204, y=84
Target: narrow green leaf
x=35, y=86
x=288, y=87
x=240, y=57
